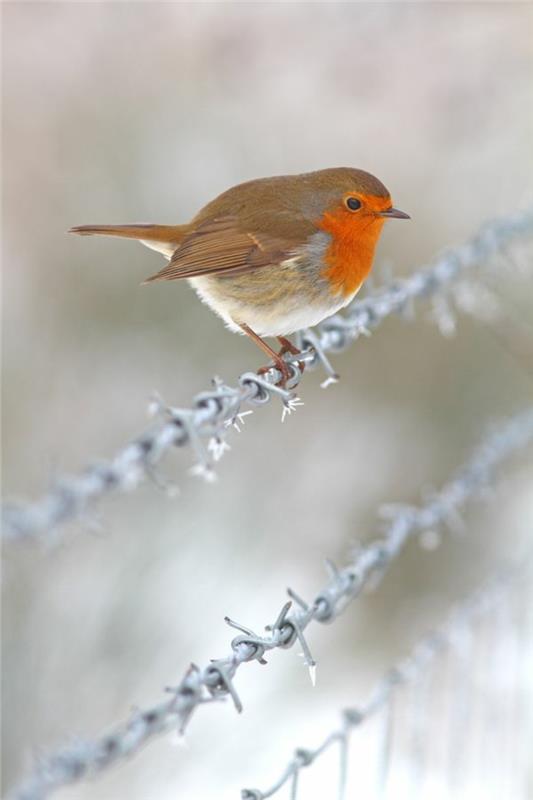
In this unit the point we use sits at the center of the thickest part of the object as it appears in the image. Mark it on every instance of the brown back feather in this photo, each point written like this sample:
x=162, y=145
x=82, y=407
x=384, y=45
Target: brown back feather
x=220, y=246
x=251, y=225
x=261, y=222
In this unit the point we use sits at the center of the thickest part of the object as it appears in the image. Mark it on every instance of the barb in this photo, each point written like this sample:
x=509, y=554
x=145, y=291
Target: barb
x=413, y=668
x=84, y=759
x=212, y=412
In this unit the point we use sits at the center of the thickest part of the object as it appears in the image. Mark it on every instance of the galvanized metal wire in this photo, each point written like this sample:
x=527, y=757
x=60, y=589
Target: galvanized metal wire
x=411, y=670
x=83, y=759
x=205, y=425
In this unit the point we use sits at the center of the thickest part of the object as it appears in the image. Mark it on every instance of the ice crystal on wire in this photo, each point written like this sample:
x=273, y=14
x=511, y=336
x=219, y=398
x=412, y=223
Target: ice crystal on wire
x=204, y=471
x=237, y=420
x=329, y=381
x=289, y=406
x=217, y=447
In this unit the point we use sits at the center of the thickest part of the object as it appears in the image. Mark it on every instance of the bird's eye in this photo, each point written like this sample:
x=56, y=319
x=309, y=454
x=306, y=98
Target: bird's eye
x=353, y=203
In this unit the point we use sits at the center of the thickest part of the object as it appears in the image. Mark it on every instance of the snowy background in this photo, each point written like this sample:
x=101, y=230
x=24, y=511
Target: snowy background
x=122, y=112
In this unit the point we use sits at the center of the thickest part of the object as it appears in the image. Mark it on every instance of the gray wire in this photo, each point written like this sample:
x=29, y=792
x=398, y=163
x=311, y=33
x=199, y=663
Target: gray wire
x=213, y=412
x=83, y=759
x=410, y=670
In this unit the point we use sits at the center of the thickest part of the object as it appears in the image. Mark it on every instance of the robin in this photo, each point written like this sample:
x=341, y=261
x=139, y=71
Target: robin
x=274, y=255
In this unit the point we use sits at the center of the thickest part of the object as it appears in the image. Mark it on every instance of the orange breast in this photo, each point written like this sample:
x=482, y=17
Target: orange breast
x=351, y=252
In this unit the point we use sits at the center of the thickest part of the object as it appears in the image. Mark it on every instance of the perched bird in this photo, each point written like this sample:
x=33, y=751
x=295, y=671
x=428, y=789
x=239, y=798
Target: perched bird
x=274, y=255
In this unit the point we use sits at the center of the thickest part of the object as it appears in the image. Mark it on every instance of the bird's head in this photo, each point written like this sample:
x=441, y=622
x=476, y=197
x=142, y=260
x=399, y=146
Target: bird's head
x=350, y=205
x=352, y=202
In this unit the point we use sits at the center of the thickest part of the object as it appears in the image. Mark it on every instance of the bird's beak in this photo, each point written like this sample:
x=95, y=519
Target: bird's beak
x=394, y=213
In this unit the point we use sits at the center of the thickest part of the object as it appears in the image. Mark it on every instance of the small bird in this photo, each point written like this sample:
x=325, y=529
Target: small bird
x=274, y=255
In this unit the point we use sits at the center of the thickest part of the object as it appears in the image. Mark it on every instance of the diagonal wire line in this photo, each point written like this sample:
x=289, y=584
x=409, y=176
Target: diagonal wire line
x=449, y=636
x=213, y=412
x=83, y=759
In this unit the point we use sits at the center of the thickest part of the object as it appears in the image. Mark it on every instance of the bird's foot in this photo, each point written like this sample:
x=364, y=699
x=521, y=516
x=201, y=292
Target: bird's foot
x=281, y=365
x=288, y=347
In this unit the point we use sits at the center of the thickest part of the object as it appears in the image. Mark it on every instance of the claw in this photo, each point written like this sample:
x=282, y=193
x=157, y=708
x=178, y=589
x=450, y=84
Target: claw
x=288, y=347
x=282, y=367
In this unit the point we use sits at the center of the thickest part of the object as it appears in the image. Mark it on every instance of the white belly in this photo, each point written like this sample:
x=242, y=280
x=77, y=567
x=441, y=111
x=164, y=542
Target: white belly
x=269, y=321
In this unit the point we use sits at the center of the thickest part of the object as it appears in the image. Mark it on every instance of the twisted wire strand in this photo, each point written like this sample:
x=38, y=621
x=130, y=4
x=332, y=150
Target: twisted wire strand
x=83, y=759
x=410, y=670
x=215, y=411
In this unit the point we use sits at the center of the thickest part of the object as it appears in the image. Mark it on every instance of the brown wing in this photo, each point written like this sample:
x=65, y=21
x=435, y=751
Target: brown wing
x=218, y=246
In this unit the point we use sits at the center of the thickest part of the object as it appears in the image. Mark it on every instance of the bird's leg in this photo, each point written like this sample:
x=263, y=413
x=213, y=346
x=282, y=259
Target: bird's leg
x=279, y=363
x=288, y=347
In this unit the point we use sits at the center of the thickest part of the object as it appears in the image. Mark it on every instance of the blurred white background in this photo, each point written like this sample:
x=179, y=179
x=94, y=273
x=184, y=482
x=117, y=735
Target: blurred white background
x=119, y=112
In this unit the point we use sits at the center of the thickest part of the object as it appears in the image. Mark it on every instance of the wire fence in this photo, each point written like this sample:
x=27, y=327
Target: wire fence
x=215, y=681
x=206, y=424
x=458, y=636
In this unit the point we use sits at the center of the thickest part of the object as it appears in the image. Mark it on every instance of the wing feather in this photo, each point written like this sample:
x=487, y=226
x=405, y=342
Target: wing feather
x=218, y=246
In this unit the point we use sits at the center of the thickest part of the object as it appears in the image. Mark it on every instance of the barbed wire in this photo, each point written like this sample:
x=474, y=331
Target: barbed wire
x=215, y=681
x=213, y=413
x=449, y=636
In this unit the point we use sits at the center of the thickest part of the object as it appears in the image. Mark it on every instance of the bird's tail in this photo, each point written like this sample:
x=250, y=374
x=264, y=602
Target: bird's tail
x=141, y=231
x=164, y=238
